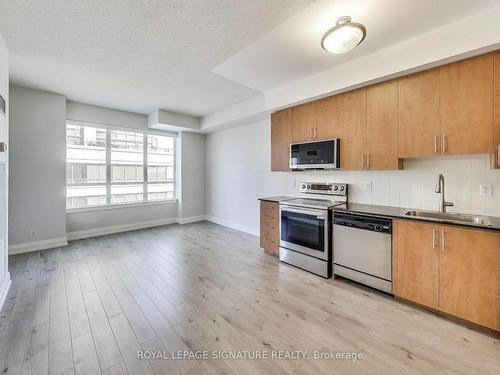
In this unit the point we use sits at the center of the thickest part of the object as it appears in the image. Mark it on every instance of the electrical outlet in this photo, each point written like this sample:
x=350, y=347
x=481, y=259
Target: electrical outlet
x=369, y=186
x=33, y=233
x=486, y=190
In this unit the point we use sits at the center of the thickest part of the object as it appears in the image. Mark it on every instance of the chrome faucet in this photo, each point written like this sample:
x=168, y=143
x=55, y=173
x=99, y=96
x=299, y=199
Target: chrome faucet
x=440, y=190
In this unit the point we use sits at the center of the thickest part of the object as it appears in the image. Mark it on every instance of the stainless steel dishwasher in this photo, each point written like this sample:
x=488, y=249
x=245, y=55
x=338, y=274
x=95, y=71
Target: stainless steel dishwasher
x=362, y=249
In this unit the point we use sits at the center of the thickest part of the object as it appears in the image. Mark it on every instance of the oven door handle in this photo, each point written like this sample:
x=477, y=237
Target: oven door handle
x=305, y=212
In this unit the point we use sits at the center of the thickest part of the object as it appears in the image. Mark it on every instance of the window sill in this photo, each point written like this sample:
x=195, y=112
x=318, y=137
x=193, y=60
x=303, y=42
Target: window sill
x=121, y=205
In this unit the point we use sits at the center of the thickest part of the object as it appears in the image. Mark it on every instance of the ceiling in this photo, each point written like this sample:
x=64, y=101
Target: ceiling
x=292, y=50
x=137, y=55
x=196, y=56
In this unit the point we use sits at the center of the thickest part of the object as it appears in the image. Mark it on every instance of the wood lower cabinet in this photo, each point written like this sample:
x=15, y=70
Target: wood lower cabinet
x=415, y=262
x=469, y=275
x=382, y=126
x=466, y=94
x=281, y=137
x=419, y=118
x=269, y=227
x=451, y=269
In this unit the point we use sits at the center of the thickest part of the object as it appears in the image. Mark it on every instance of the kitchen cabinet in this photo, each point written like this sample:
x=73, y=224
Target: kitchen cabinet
x=469, y=275
x=496, y=109
x=415, y=262
x=419, y=118
x=451, y=269
x=466, y=89
x=352, y=119
x=382, y=126
x=281, y=137
x=328, y=118
x=269, y=227
x=304, y=122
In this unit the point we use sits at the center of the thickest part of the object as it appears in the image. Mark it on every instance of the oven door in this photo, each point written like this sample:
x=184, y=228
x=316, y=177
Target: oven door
x=304, y=230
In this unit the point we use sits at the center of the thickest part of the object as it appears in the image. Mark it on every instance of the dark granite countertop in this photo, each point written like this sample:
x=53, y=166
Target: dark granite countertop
x=396, y=212
x=279, y=198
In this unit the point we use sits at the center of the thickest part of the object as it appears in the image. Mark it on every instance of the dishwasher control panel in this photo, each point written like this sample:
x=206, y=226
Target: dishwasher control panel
x=375, y=224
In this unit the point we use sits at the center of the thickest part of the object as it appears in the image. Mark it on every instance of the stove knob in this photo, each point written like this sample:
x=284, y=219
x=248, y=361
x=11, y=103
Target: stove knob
x=378, y=228
x=342, y=188
x=303, y=186
x=308, y=187
x=335, y=188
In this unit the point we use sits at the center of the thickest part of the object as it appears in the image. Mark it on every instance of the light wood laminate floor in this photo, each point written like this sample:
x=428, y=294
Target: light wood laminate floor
x=90, y=307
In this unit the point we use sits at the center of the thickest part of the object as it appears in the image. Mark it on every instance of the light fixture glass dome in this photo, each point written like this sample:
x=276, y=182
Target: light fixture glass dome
x=344, y=36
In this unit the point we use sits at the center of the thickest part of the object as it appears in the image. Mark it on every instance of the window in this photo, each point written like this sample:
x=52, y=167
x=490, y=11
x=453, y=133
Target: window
x=111, y=166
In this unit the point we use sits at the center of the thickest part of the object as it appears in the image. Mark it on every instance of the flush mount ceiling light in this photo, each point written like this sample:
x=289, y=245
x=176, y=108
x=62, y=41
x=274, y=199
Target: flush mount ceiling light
x=344, y=36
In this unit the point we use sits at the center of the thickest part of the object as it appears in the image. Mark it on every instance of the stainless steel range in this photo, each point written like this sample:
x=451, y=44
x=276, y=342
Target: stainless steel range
x=305, y=225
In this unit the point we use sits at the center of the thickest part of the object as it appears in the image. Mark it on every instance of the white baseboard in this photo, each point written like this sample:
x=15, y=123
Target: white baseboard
x=28, y=247
x=4, y=289
x=78, y=235
x=192, y=219
x=233, y=225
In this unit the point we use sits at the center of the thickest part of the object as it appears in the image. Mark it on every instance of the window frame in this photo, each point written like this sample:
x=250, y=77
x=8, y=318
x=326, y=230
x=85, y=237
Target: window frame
x=145, y=182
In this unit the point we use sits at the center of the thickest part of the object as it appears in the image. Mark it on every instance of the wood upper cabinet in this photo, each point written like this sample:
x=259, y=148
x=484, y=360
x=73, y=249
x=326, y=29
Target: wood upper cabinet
x=466, y=89
x=496, y=109
x=328, y=118
x=304, y=122
x=382, y=126
x=469, y=275
x=352, y=119
x=452, y=269
x=281, y=137
x=419, y=118
x=415, y=262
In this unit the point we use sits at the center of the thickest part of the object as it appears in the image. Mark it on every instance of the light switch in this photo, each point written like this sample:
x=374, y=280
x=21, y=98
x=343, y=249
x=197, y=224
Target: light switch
x=486, y=190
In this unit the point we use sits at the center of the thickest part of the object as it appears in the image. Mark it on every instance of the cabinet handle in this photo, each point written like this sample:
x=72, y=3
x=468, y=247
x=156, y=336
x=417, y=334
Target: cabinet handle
x=443, y=244
x=433, y=239
x=362, y=161
x=443, y=142
x=436, y=143
x=369, y=158
x=315, y=133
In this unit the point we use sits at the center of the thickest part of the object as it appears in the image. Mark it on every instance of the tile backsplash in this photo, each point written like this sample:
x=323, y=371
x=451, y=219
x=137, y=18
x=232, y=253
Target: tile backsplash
x=413, y=187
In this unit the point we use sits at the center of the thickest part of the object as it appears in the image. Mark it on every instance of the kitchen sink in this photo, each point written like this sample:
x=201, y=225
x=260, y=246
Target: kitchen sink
x=448, y=216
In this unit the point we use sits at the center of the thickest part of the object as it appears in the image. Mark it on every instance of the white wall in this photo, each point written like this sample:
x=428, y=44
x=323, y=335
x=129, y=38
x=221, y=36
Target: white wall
x=38, y=171
x=238, y=173
x=4, y=158
x=192, y=175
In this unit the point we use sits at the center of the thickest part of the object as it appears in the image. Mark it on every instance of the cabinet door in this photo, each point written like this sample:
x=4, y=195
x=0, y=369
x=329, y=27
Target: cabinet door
x=467, y=106
x=419, y=125
x=281, y=137
x=382, y=126
x=304, y=122
x=327, y=124
x=352, y=117
x=269, y=227
x=496, y=162
x=469, y=275
x=415, y=262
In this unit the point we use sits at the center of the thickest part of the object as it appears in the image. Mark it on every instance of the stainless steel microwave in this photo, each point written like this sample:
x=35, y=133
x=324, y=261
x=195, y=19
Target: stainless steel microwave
x=315, y=155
